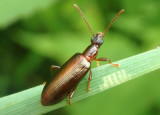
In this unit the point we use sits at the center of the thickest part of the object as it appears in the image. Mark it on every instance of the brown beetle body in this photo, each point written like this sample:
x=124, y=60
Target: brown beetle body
x=73, y=71
x=66, y=79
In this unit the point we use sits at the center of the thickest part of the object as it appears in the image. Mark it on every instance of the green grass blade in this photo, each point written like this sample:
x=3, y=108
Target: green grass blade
x=104, y=77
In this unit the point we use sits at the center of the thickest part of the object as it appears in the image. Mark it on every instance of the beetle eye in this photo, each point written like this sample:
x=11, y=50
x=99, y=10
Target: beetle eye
x=92, y=39
x=100, y=41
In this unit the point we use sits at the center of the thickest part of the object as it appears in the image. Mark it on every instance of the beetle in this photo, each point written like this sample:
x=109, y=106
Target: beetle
x=73, y=71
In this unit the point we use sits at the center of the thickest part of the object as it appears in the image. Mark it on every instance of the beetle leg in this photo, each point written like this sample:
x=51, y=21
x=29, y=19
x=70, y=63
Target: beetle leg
x=53, y=67
x=70, y=96
x=97, y=62
x=44, y=83
x=89, y=78
x=106, y=59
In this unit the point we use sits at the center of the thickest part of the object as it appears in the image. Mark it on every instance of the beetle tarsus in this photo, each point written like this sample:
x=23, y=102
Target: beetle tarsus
x=44, y=83
x=69, y=101
x=97, y=62
x=115, y=65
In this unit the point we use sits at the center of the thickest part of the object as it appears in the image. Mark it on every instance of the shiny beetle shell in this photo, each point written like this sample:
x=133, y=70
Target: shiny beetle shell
x=65, y=80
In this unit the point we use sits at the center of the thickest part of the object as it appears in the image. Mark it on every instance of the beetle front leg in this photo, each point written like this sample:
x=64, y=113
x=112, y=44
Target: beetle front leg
x=53, y=67
x=89, y=79
x=106, y=59
x=70, y=96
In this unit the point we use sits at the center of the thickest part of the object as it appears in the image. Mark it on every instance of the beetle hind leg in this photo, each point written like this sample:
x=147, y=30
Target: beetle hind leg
x=70, y=96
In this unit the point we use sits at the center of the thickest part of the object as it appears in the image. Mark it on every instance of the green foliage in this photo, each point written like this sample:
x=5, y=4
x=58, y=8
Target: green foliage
x=13, y=10
x=36, y=34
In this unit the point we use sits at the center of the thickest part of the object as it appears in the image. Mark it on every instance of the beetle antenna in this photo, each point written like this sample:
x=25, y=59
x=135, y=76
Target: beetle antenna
x=76, y=6
x=112, y=22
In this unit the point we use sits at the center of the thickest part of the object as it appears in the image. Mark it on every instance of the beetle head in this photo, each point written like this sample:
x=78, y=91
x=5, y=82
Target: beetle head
x=97, y=39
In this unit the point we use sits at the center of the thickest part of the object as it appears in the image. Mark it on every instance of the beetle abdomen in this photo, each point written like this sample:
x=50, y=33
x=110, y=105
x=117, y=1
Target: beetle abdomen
x=66, y=79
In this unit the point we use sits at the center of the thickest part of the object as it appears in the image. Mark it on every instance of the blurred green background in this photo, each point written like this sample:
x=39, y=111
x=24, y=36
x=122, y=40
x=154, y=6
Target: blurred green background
x=35, y=34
